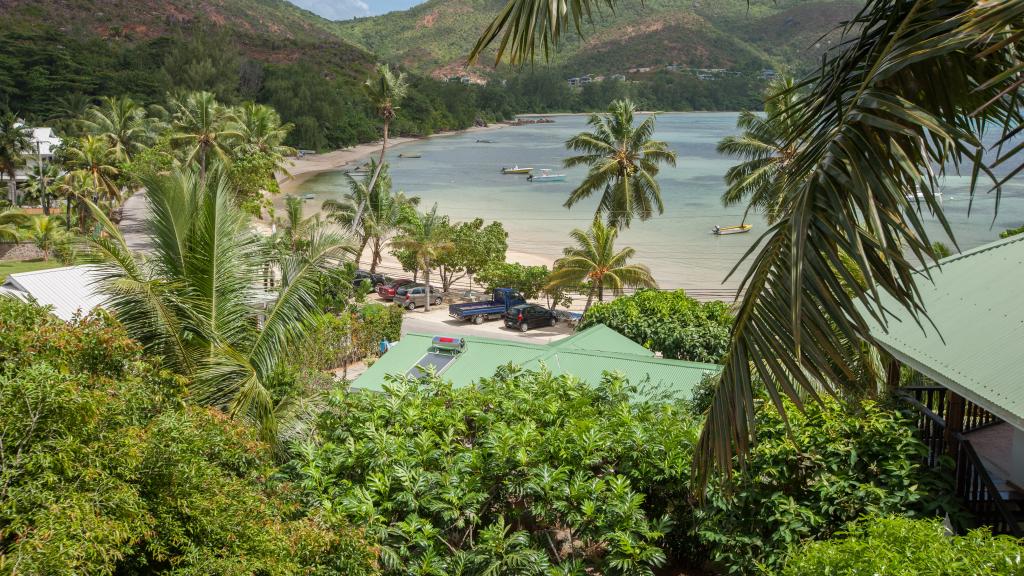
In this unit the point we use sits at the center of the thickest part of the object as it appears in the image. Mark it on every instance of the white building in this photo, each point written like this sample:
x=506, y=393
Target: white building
x=67, y=290
x=44, y=143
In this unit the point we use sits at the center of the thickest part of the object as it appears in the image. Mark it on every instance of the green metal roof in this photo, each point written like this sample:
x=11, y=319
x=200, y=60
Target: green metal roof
x=586, y=355
x=972, y=340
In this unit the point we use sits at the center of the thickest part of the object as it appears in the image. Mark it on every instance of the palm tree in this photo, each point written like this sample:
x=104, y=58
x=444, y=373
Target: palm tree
x=383, y=212
x=203, y=128
x=15, y=142
x=385, y=92
x=12, y=221
x=424, y=235
x=42, y=181
x=260, y=131
x=766, y=148
x=45, y=232
x=124, y=124
x=92, y=161
x=908, y=93
x=193, y=301
x=296, y=228
x=595, y=261
x=623, y=161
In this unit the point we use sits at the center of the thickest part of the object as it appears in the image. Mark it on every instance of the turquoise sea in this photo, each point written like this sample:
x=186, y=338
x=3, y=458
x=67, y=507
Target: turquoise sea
x=463, y=177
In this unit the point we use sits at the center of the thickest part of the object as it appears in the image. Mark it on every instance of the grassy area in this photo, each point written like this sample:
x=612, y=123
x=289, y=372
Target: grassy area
x=14, y=267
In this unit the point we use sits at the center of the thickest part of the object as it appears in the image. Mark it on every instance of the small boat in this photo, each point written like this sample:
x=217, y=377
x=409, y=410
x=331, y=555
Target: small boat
x=410, y=155
x=309, y=196
x=724, y=230
x=546, y=176
x=516, y=170
x=915, y=196
x=486, y=141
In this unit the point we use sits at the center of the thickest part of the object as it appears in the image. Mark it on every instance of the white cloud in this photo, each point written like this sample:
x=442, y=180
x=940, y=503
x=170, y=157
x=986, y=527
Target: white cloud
x=336, y=9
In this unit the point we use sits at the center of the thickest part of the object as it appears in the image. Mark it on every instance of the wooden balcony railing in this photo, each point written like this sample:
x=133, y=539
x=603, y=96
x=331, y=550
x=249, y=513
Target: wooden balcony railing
x=937, y=400
x=972, y=483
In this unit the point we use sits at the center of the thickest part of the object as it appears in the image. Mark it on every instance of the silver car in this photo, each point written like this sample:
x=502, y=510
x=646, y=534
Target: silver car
x=416, y=296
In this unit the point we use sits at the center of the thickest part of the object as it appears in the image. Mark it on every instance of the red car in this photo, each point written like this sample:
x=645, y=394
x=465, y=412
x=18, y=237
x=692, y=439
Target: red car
x=387, y=291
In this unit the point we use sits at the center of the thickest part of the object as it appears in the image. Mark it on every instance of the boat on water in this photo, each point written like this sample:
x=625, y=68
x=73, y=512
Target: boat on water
x=516, y=170
x=410, y=155
x=546, y=176
x=309, y=196
x=486, y=141
x=725, y=230
x=915, y=196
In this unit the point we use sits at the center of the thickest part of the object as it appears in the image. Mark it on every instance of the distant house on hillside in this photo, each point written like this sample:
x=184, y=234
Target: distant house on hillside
x=69, y=290
x=968, y=390
x=587, y=355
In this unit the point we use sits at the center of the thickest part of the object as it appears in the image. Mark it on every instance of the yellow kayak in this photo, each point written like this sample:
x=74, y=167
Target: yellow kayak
x=723, y=230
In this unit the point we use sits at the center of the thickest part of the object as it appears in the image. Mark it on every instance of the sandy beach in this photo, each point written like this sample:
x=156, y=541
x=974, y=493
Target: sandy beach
x=301, y=169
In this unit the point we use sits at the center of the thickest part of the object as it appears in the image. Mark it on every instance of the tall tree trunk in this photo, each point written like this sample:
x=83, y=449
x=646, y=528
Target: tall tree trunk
x=202, y=164
x=590, y=300
x=375, y=248
x=600, y=291
x=362, y=248
x=376, y=173
x=67, y=212
x=426, y=280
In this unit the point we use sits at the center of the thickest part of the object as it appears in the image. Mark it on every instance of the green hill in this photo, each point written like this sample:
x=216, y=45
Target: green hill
x=436, y=36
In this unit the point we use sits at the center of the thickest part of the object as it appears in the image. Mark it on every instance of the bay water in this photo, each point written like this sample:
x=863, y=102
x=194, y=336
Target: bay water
x=463, y=176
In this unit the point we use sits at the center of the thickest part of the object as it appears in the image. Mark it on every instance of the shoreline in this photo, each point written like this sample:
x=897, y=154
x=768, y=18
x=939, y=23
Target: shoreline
x=303, y=169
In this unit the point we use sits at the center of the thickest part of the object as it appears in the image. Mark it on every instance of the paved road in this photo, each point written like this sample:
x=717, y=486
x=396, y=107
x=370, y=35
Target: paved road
x=133, y=222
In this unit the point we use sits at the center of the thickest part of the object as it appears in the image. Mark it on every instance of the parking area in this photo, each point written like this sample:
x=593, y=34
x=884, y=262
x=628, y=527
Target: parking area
x=438, y=323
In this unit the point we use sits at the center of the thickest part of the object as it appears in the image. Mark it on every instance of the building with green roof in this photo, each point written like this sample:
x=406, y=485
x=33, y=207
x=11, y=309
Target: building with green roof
x=586, y=355
x=966, y=351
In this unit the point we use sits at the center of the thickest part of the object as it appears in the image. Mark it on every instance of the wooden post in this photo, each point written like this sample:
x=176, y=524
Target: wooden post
x=892, y=375
x=954, y=422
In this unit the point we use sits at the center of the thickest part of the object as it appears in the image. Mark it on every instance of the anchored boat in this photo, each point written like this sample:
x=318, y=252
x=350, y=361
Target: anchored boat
x=516, y=170
x=546, y=176
x=724, y=230
x=410, y=155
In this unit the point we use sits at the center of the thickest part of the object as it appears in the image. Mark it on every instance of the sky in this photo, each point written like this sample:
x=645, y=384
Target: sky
x=346, y=9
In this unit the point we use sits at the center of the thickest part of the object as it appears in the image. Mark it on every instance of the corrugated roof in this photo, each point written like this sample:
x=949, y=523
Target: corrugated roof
x=68, y=290
x=587, y=355
x=976, y=345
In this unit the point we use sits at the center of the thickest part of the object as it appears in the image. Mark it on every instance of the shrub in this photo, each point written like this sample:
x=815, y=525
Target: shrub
x=668, y=322
x=522, y=472
x=905, y=547
x=372, y=323
x=105, y=470
x=829, y=469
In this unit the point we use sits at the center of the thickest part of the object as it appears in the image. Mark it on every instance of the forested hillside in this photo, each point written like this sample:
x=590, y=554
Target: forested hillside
x=436, y=36
x=57, y=57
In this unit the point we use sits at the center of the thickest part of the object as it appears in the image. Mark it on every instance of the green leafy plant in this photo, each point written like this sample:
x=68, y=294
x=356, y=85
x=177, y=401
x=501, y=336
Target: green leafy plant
x=523, y=473
x=809, y=480
x=893, y=546
x=671, y=323
x=104, y=469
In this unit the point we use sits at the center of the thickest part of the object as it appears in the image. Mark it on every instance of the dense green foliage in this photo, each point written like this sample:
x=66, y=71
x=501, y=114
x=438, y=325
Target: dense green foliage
x=104, y=469
x=525, y=471
x=372, y=323
x=829, y=468
x=671, y=323
x=905, y=547
x=530, y=281
x=474, y=247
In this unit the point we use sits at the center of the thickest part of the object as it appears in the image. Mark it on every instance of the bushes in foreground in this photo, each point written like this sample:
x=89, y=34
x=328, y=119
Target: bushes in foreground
x=904, y=547
x=528, y=471
x=525, y=472
x=806, y=483
x=104, y=469
x=668, y=322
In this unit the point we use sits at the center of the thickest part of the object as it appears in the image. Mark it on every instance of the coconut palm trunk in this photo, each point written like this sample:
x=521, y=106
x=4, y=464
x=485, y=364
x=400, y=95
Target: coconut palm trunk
x=12, y=188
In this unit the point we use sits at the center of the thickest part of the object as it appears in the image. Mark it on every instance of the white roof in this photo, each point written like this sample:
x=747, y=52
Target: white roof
x=68, y=290
x=48, y=141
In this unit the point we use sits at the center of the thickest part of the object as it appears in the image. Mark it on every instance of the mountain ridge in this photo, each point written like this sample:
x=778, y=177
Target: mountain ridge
x=436, y=36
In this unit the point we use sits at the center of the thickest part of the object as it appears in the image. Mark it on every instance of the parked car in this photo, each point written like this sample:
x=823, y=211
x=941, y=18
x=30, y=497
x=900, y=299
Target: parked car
x=412, y=297
x=526, y=316
x=502, y=301
x=387, y=291
x=375, y=279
